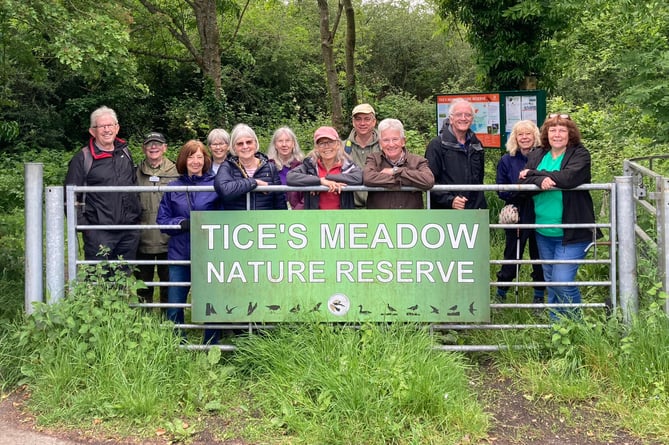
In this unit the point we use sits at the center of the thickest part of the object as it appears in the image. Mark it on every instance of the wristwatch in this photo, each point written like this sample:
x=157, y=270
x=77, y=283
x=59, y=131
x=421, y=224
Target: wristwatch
x=395, y=170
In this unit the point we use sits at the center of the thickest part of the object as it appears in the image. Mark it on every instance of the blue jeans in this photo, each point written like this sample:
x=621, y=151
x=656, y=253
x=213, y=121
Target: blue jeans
x=551, y=248
x=177, y=294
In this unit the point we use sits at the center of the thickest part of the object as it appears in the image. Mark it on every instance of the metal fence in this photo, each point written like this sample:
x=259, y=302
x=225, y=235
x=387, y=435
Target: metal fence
x=651, y=197
x=617, y=254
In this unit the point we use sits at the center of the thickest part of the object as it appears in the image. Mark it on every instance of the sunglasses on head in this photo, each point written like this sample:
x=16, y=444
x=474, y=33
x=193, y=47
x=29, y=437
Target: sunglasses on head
x=561, y=116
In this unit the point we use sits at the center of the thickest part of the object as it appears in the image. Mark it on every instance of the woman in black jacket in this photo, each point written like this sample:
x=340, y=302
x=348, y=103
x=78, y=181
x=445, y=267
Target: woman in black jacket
x=244, y=170
x=562, y=163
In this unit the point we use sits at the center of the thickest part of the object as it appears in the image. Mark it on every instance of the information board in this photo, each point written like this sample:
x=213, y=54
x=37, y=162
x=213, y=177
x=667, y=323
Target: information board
x=496, y=112
x=344, y=265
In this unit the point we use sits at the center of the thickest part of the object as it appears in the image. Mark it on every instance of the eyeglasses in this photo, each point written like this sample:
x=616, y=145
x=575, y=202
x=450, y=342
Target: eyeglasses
x=385, y=141
x=219, y=144
x=153, y=144
x=105, y=127
x=326, y=143
x=561, y=116
x=461, y=115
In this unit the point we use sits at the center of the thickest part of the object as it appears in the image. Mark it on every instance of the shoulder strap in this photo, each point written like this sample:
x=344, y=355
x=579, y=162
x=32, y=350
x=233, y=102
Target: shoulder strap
x=88, y=161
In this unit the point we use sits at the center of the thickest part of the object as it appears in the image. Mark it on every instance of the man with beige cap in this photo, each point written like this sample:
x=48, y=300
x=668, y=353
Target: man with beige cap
x=363, y=141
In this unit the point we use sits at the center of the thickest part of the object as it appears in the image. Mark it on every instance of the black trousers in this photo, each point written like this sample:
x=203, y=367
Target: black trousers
x=514, y=251
x=121, y=243
x=147, y=273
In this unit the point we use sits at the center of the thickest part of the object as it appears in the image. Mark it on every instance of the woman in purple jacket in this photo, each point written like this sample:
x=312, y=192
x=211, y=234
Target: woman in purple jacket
x=194, y=166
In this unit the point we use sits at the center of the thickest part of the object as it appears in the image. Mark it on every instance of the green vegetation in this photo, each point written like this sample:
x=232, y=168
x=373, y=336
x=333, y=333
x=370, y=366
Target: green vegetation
x=93, y=360
x=381, y=384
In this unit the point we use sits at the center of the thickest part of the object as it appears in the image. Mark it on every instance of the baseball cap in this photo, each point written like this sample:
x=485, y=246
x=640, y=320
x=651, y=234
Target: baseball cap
x=363, y=108
x=326, y=132
x=154, y=136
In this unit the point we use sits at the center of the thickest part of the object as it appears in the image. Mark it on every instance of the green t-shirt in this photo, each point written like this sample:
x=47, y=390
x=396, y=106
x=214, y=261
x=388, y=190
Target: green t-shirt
x=548, y=204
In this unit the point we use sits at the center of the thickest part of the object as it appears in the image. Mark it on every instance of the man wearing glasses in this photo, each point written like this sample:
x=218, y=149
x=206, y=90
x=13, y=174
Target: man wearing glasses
x=456, y=157
x=362, y=142
x=154, y=170
x=106, y=161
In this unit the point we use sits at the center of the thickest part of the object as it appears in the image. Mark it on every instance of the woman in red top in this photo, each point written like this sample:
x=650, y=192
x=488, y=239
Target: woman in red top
x=330, y=166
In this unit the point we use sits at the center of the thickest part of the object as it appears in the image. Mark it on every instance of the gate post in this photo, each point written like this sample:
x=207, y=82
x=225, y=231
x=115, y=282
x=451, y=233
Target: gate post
x=34, y=177
x=662, y=215
x=55, y=244
x=627, y=274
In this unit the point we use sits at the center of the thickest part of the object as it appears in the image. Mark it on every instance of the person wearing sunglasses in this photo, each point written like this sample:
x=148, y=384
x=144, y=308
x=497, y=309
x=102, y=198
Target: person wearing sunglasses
x=562, y=163
x=328, y=165
x=245, y=169
x=456, y=157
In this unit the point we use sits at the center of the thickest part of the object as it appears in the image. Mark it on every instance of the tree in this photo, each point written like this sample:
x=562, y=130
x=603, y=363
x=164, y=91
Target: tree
x=197, y=28
x=617, y=51
x=351, y=97
x=402, y=49
x=510, y=36
x=53, y=53
x=327, y=49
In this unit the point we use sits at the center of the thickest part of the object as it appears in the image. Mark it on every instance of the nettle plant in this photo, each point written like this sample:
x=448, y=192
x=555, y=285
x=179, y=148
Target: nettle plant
x=99, y=296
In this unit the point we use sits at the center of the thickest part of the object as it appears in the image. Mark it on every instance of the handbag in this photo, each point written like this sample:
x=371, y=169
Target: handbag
x=508, y=214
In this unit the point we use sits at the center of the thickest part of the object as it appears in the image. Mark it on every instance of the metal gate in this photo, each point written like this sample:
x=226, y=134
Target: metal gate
x=618, y=253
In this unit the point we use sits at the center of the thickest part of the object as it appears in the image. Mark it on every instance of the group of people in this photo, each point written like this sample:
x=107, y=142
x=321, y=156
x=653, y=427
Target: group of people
x=552, y=158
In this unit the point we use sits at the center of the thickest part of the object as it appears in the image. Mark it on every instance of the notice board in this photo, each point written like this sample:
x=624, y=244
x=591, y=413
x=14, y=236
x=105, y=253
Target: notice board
x=496, y=112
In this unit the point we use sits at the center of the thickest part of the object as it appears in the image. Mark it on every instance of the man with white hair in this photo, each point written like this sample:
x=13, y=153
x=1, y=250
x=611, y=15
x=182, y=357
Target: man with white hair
x=106, y=161
x=456, y=157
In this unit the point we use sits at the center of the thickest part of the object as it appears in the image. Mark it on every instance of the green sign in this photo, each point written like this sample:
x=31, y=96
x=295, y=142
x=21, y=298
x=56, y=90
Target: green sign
x=340, y=266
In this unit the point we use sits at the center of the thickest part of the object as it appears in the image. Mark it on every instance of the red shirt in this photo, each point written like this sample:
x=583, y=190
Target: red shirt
x=329, y=200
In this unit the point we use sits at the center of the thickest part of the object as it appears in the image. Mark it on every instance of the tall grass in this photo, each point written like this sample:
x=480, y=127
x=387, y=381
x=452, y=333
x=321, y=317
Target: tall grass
x=623, y=367
x=376, y=385
x=92, y=356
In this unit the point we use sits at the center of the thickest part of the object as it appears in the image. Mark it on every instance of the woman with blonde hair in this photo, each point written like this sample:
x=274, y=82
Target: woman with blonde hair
x=284, y=150
x=245, y=169
x=523, y=139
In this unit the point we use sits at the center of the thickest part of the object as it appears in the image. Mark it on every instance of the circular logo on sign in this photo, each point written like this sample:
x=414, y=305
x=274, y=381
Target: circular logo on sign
x=339, y=304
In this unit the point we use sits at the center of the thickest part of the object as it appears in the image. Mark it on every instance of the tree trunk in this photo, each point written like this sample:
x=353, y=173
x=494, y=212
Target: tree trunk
x=351, y=99
x=207, y=27
x=327, y=50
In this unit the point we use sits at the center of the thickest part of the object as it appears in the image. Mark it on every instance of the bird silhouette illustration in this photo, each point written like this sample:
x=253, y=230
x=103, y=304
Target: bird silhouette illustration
x=252, y=308
x=390, y=308
x=295, y=309
x=472, y=309
x=434, y=309
x=316, y=308
x=273, y=307
x=209, y=310
x=228, y=309
x=336, y=306
x=413, y=308
x=362, y=311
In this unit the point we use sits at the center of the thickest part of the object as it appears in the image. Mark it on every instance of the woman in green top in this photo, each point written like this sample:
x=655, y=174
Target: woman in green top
x=561, y=163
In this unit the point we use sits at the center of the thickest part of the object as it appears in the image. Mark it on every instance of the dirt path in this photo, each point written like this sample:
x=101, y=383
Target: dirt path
x=517, y=420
